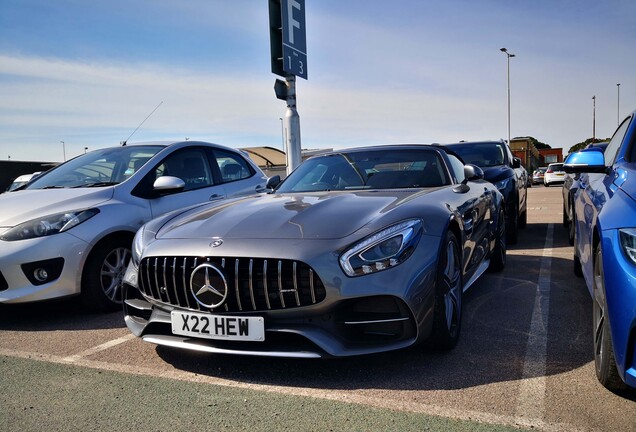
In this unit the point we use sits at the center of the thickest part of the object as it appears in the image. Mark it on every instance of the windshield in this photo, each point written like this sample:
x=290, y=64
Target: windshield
x=369, y=169
x=481, y=154
x=104, y=167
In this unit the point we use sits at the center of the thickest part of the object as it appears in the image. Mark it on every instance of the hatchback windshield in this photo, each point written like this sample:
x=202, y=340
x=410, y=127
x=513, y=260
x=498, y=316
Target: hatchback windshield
x=104, y=167
x=368, y=170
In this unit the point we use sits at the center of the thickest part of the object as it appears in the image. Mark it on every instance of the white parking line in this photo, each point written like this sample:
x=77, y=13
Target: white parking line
x=99, y=348
x=531, y=401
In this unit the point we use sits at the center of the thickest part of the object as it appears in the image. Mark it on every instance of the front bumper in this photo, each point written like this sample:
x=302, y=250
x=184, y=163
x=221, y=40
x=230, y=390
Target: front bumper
x=620, y=287
x=377, y=312
x=61, y=256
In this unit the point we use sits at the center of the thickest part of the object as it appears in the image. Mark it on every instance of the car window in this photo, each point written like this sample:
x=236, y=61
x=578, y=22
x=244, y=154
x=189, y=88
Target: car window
x=615, y=143
x=368, y=170
x=232, y=166
x=481, y=154
x=458, y=168
x=190, y=165
x=97, y=168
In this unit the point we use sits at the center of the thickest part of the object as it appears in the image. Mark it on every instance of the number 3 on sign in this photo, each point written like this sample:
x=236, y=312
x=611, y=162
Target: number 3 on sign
x=301, y=69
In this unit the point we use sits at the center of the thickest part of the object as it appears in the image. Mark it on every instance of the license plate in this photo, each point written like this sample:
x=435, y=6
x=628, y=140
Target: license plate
x=218, y=326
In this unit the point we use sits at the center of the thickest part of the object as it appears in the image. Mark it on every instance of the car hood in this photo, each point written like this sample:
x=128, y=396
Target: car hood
x=497, y=173
x=290, y=216
x=24, y=205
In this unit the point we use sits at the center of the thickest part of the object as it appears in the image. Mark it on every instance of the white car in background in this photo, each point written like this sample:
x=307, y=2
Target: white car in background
x=22, y=180
x=554, y=174
x=70, y=231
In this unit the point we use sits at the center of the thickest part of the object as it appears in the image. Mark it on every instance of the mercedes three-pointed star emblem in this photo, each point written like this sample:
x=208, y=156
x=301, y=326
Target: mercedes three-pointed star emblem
x=208, y=285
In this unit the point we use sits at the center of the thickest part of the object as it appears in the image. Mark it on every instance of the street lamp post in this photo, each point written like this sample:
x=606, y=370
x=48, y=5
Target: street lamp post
x=593, y=118
x=618, y=104
x=508, y=55
x=63, y=150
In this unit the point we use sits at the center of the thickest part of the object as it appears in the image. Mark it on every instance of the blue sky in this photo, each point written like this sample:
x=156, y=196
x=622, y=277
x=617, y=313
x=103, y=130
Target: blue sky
x=88, y=72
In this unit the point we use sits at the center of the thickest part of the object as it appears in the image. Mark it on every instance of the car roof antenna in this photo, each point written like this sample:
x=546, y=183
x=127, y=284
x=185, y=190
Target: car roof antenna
x=123, y=143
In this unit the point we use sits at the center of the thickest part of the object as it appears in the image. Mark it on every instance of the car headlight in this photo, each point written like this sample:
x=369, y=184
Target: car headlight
x=383, y=250
x=503, y=184
x=48, y=225
x=628, y=242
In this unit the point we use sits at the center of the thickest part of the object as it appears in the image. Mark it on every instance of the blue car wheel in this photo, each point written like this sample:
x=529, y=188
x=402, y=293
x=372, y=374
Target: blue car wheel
x=606, y=370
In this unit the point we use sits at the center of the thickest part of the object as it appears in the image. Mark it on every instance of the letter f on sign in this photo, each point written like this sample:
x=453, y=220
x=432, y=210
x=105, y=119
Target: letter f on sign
x=290, y=19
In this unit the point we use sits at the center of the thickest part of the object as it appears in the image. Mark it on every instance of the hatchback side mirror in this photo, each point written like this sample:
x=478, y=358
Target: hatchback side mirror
x=272, y=182
x=166, y=185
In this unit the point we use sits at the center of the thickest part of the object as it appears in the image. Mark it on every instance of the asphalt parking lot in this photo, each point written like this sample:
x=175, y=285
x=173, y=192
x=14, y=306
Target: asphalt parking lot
x=524, y=361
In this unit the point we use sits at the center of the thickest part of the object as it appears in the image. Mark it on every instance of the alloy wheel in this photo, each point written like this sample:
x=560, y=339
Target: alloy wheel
x=112, y=273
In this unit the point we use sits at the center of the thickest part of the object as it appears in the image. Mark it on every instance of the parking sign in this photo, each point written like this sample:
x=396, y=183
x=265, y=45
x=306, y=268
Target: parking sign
x=292, y=59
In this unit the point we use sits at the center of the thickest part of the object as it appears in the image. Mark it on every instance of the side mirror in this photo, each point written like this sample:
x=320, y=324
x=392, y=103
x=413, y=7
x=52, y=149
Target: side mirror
x=473, y=173
x=272, y=182
x=516, y=162
x=585, y=162
x=165, y=185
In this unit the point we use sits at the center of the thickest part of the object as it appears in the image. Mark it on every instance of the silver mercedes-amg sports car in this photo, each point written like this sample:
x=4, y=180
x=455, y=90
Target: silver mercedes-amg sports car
x=357, y=251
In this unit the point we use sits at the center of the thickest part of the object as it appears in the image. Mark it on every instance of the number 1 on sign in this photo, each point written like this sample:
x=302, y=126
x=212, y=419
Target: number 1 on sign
x=301, y=69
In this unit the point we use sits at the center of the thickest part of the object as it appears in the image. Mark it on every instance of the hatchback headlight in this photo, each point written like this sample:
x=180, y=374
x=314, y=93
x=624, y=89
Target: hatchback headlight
x=628, y=243
x=48, y=225
x=383, y=250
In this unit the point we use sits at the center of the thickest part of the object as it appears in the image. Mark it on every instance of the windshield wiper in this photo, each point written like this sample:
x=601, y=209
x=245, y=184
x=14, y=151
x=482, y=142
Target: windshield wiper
x=96, y=184
x=54, y=187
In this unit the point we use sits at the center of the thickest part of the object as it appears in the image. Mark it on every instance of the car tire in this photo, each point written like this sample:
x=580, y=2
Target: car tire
x=571, y=224
x=564, y=221
x=523, y=219
x=576, y=261
x=604, y=360
x=103, y=275
x=498, y=256
x=512, y=229
x=447, y=317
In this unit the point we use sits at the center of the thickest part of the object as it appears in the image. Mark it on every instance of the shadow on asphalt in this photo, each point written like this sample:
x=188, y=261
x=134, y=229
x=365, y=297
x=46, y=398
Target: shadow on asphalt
x=497, y=314
x=492, y=348
x=63, y=314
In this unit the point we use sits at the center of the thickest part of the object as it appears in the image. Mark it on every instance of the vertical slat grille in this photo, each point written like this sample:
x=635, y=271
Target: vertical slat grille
x=253, y=284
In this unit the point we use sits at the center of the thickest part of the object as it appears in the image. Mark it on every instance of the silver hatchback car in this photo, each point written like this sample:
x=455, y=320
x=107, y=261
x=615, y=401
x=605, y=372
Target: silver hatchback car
x=70, y=230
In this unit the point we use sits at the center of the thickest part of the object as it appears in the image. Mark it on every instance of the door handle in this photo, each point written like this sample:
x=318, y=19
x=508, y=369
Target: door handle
x=215, y=197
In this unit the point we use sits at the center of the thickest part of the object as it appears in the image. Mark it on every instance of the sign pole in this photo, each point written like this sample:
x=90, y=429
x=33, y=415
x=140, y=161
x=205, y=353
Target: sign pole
x=288, y=44
x=291, y=124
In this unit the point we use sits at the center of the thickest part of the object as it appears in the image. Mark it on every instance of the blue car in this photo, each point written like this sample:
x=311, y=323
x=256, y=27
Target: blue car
x=570, y=188
x=605, y=251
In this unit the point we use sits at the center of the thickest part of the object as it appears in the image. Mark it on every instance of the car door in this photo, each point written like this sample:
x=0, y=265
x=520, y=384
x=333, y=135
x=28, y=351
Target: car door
x=191, y=165
x=595, y=189
x=475, y=206
x=235, y=173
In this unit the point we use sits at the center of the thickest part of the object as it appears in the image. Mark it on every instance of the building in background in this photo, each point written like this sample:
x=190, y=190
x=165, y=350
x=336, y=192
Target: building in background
x=531, y=157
